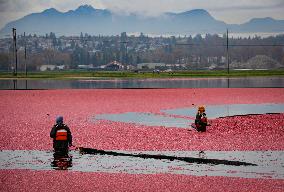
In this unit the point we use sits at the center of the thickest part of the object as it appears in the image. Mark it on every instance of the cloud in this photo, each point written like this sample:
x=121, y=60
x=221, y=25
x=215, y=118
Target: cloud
x=250, y=5
x=14, y=9
x=141, y=6
x=39, y=5
x=241, y=11
x=19, y=5
x=156, y=7
x=226, y=10
x=229, y=11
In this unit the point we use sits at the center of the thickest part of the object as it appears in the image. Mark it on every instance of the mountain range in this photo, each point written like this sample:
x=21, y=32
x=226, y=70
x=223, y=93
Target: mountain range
x=93, y=21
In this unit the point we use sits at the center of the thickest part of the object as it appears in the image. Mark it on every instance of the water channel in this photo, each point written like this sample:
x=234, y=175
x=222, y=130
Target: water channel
x=186, y=116
x=266, y=164
x=243, y=82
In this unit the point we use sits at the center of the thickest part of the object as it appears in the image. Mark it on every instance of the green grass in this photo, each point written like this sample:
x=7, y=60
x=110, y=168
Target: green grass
x=73, y=74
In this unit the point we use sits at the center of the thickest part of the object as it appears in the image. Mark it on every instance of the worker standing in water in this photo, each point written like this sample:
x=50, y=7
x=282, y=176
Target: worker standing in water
x=201, y=119
x=62, y=137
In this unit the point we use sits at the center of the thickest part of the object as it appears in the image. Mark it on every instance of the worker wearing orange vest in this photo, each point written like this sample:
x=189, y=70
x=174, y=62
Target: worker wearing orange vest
x=62, y=137
x=201, y=119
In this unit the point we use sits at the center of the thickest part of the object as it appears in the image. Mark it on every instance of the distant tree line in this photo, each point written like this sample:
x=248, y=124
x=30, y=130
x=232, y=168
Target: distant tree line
x=194, y=52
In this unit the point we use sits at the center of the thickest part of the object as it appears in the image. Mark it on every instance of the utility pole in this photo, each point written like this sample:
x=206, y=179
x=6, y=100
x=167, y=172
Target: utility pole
x=15, y=49
x=228, y=51
x=26, y=72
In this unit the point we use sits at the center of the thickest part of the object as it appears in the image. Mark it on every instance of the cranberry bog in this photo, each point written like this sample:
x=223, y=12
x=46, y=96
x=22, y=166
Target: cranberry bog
x=143, y=140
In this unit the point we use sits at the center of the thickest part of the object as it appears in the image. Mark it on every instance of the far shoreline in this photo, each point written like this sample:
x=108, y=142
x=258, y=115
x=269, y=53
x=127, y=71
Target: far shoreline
x=109, y=75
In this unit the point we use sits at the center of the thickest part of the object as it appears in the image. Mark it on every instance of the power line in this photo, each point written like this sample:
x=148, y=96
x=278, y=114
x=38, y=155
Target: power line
x=255, y=45
x=230, y=45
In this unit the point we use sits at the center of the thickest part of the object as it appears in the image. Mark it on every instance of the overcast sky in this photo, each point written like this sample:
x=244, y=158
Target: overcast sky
x=237, y=11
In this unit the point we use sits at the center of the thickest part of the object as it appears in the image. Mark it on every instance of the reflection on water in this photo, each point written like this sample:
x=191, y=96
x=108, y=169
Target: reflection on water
x=61, y=161
x=144, y=83
x=270, y=164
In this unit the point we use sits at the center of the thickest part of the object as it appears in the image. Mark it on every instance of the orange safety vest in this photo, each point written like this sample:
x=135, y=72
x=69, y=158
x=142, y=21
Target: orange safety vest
x=61, y=135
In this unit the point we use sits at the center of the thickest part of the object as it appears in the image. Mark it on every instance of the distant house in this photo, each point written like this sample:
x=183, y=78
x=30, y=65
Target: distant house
x=113, y=66
x=150, y=65
x=47, y=67
x=91, y=66
x=51, y=67
x=60, y=67
x=169, y=66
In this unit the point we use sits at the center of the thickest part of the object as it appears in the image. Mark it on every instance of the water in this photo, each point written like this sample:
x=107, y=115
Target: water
x=167, y=119
x=270, y=164
x=244, y=82
x=147, y=119
x=216, y=111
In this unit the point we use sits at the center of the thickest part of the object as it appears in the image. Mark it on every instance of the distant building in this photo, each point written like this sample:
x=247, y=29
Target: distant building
x=47, y=67
x=51, y=67
x=223, y=59
x=91, y=66
x=113, y=66
x=60, y=67
x=150, y=65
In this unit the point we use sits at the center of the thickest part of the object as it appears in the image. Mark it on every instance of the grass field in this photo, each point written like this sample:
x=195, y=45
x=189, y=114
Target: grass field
x=78, y=74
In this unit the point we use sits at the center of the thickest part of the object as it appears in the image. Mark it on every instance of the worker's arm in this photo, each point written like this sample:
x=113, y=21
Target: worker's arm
x=53, y=132
x=69, y=136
